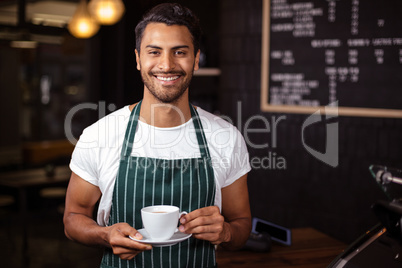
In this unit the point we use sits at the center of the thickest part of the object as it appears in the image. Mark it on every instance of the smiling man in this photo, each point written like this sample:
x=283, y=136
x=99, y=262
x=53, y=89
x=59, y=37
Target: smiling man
x=165, y=152
x=167, y=61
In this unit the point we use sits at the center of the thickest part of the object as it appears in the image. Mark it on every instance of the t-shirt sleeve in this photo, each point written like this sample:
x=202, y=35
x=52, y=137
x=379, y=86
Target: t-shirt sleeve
x=239, y=161
x=83, y=158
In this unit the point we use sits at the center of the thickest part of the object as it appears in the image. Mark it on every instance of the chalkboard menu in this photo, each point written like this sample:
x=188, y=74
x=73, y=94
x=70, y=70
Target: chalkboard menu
x=341, y=53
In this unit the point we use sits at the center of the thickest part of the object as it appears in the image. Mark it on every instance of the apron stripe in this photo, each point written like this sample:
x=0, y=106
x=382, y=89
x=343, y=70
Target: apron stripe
x=133, y=190
x=172, y=184
x=144, y=182
x=153, y=185
x=181, y=205
x=199, y=187
x=117, y=201
x=206, y=187
x=161, y=263
x=189, y=208
x=163, y=188
x=202, y=253
x=125, y=199
x=170, y=256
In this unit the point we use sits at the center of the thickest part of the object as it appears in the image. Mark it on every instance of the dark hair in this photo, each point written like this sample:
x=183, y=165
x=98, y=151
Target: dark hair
x=170, y=14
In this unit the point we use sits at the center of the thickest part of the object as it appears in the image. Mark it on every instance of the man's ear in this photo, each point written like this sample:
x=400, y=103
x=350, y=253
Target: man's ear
x=137, y=59
x=197, y=61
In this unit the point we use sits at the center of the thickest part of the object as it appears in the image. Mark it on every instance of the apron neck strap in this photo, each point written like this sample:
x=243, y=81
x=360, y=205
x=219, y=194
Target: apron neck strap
x=130, y=131
x=199, y=131
x=132, y=127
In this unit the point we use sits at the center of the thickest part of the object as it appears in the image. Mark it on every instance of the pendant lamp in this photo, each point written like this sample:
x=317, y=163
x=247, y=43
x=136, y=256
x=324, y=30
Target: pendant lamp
x=106, y=12
x=82, y=25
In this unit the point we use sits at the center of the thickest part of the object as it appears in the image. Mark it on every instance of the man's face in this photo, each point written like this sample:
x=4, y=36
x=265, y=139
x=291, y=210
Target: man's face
x=167, y=61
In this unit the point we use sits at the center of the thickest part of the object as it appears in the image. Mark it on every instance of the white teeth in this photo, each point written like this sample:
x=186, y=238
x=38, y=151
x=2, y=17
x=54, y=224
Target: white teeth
x=167, y=78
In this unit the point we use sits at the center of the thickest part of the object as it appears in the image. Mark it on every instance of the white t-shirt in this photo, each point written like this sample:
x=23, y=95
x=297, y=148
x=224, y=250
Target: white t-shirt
x=97, y=153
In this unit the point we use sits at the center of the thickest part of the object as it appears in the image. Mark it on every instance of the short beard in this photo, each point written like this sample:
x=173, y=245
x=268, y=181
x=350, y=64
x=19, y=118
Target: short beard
x=166, y=98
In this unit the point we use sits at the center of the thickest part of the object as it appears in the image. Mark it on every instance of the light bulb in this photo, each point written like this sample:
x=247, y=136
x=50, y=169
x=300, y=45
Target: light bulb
x=82, y=25
x=106, y=12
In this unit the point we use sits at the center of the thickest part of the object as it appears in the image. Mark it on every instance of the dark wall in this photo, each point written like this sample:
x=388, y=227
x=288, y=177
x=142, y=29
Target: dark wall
x=306, y=192
x=9, y=136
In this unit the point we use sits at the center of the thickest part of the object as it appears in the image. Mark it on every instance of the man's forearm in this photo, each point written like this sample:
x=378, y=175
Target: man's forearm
x=236, y=233
x=85, y=230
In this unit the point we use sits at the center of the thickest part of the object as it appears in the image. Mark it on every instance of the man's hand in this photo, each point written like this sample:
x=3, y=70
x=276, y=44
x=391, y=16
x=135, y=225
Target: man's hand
x=121, y=244
x=230, y=229
x=79, y=226
x=207, y=224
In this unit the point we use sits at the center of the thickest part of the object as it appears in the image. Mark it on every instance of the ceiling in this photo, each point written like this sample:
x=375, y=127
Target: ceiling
x=46, y=13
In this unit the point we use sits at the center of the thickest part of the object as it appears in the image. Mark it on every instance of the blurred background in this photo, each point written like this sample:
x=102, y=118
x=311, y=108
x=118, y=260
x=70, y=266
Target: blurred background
x=45, y=72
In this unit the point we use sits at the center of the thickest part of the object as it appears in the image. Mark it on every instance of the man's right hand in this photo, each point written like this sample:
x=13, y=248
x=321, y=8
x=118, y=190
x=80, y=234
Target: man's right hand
x=122, y=245
x=79, y=226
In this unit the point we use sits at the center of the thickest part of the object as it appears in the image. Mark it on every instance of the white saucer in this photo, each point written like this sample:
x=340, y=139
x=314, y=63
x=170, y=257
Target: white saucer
x=176, y=238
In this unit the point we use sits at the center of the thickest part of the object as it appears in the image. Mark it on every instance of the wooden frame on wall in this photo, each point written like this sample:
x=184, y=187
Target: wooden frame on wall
x=266, y=106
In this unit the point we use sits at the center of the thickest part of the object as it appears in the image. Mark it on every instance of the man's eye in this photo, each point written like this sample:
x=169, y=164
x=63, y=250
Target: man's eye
x=181, y=53
x=153, y=52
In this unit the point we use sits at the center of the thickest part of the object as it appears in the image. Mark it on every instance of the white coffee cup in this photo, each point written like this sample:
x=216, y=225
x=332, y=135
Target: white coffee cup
x=161, y=221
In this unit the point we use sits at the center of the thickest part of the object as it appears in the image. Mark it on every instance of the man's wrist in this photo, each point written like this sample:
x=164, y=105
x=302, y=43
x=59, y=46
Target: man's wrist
x=227, y=233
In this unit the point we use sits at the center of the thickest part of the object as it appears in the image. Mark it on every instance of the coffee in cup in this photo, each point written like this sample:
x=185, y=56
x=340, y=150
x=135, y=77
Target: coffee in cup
x=161, y=221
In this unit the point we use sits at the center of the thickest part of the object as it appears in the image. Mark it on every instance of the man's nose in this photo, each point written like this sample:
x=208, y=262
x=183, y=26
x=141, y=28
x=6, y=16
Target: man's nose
x=166, y=62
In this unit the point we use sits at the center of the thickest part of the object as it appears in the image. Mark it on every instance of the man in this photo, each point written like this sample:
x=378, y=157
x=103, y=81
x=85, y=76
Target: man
x=162, y=151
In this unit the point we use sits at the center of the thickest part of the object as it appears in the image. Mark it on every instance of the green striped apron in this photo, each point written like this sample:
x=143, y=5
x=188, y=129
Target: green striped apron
x=141, y=181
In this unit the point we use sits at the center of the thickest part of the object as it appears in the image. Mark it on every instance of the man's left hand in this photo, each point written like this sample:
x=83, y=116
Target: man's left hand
x=207, y=224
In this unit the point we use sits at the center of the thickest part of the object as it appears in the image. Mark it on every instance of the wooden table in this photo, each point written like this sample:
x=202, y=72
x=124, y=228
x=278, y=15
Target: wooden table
x=310, y=249
x=26, y=179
